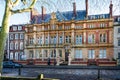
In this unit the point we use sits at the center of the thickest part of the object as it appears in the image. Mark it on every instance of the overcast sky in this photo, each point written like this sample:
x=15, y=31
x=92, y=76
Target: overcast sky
x=96, y=7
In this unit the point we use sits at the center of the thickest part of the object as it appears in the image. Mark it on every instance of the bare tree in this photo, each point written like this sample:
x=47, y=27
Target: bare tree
x=10, y=10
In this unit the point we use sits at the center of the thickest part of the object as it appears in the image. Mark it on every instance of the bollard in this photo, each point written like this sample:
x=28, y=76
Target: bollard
x=98, y=78
x=41, y=76
x=19, y=71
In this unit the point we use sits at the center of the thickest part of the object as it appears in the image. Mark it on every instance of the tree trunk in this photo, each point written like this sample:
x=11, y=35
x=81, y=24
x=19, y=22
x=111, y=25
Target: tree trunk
x=4, y=32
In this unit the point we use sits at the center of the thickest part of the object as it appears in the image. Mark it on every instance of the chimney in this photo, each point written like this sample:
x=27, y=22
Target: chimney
x=31, y=14
x=86, y=2
x=74, y=10
x=43, y=12
x=111, y=9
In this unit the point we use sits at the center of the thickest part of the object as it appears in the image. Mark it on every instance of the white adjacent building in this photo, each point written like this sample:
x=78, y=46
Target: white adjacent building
x=116, y=37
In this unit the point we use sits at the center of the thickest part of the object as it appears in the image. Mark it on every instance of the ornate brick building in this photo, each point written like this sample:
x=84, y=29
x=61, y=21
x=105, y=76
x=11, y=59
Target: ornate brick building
x=71, y=37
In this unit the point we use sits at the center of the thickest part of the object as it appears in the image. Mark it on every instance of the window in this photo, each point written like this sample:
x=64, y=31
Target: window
x=53, y=27
x=16, y=45
x=60, y=27
x=103, y=37
x=91, y=54
x=40, y=40
x=118, y=30
x=91, y=38
x=67, y=27
x=60, y=53
x=38, y=54
x=14, y=28
x=79, y=39
x=16, y=36
x=60, y=40
x=118, y=18
x=91, y=26
x=55, y=40
x=31, y=40
x=52, y=39
x=11, y=55
x=118, y=42
x=11, y=36
x=16, y=55
x=78, y=54
x=46, y=40
x=19, y=27
x=102, y=53
x=52, y=53
x=78, y=27
x=11, y=45
x=68, y=39
x=21, y=45
x=102, y=25
x=46, y=28
x=21, y=36
x=31, y=55
x=45, y=53
x=119, y=55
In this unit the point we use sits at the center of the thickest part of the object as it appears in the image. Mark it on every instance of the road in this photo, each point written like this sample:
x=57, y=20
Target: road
x=65, y=73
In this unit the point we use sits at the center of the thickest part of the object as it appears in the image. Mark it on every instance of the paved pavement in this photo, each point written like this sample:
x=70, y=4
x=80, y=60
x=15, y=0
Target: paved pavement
x=66, y=72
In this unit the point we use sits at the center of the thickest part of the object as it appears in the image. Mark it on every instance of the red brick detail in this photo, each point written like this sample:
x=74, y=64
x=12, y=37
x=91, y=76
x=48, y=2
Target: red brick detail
x=86, y=38
x=97, y=37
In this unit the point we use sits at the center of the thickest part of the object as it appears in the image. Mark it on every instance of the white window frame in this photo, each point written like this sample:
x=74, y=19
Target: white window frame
x=11, y=36
x=21, y=45
x=102, y=53
x=16, y=36
x=91, y=54
x=78, y=54
x=21, y=36
x=16, y=45
x=11, y=45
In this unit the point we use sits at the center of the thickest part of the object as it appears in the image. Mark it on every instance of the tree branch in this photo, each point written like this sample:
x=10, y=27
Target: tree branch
x=24, y=9
x=15, y=3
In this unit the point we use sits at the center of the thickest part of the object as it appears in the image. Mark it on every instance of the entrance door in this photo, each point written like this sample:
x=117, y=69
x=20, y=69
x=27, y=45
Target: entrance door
x=66, y=56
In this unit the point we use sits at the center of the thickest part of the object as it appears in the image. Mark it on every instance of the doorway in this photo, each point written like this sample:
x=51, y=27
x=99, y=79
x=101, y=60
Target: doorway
x=66, y=54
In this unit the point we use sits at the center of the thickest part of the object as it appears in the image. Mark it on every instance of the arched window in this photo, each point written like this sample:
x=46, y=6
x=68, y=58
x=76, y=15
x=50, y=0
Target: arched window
x=103, y=37
x=16, y=55
x=11, y=55
x=11, y=45
x=16, y=45
x=21, y=45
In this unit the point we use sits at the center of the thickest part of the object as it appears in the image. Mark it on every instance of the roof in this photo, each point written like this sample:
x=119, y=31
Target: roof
x=67, y=16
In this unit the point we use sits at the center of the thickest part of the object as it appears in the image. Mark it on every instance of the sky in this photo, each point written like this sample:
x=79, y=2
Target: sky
x=95, y=7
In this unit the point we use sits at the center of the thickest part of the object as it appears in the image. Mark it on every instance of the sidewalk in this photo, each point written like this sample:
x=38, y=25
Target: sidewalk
x=74, y=67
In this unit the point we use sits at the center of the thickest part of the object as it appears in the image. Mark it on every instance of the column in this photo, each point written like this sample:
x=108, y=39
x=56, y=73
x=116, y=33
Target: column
x=42, y=54
x=57, y=37
x=34, y=52
x=43, y=40
x=84, y=36
x=72, y=40
x=73, y=53
x=48, y=37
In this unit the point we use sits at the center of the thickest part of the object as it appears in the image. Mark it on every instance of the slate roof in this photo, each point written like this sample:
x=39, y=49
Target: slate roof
x=67, y=16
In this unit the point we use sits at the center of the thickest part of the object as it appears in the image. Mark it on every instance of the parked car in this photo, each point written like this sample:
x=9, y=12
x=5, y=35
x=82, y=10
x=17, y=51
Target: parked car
x=11, y=64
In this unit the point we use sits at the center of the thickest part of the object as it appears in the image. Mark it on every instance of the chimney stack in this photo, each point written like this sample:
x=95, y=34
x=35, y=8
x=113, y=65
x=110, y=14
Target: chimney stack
x=31, y=14
x=86, y=2
x=43, y=12
x=111, y=9
x=74, y=9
